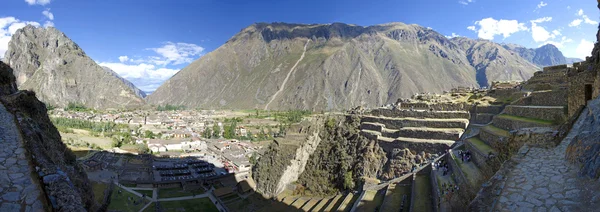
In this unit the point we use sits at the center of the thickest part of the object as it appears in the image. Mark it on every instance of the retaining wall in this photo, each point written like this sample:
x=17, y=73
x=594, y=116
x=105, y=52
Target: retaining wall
x=395, y=123
x=546, y=98
x=482, y=118
x=417, y=147
x=435, y=106
x=491, y=139
x=420, y=114
x=551, y=114
x=424, y=134
x=479, y=157
x=509, y=124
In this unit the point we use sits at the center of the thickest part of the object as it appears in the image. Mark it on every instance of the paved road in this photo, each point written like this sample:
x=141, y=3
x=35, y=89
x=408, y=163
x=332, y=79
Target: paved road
x=18, y=191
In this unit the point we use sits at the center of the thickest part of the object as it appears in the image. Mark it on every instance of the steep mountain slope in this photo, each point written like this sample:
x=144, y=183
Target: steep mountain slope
x=571, y=60
x=493, y=62
x=49, y=63
x=546, y=55
x=136, y=90
x=267, y=66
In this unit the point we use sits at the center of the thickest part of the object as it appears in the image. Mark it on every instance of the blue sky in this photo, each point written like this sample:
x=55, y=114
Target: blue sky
x=149, y=41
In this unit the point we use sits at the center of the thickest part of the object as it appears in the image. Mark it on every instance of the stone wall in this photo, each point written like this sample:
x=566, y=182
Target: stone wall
x=63, y=180
x=421, y=114
x=434, y=106
x=509, y=124
x=577, y=82
x=545, y=113
x=493, y=109
x=427, y=147
x=418, y=133
x=481, y=118
x=537, y=136
x=480, y=158
x=545, y=98
x=491, y=139
x=395, y=123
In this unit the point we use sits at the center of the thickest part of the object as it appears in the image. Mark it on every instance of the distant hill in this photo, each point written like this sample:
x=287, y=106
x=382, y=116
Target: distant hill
x=335, y=66
x=546, y=55
x=571, y=60
x=137, y=91
x=46, y=61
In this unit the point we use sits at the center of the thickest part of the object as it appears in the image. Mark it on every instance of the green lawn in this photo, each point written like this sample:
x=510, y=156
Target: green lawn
x=177, y=192
x=122, y=202
x=151, y=207
x=148, y=193
x=469, y=169
x=423, y=200
x=394, y=200
x=525, y=119
x=98, y=189
x=480, y=145
x=202, y=204
x=371, y=201
x=496, y=131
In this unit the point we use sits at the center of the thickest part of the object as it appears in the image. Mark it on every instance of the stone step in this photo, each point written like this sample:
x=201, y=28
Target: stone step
x=469, y=170
x=510, y=122
x=321, y=205
x=551, y=113
x=371, y=126
x=289, y=200
x=310, y=204
x=300, y=202
x=370, y=134
x=415, y=140
x=493, y=136
x=347, y=202
x=480, y=150
x=334, y=203
x=397, y=123
x=430, y=133
x=394, y=196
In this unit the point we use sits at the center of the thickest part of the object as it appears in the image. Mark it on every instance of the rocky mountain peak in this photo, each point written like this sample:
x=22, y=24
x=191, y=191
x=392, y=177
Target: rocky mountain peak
x=49, y=63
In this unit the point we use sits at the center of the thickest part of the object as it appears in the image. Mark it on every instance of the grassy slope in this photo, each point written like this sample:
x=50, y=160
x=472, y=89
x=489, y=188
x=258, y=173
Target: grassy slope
x=525, y=119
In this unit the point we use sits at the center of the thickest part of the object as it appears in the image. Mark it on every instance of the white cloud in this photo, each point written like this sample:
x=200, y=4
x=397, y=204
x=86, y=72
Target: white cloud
x=123, y=59
x=584, y=49
x=542, y=4
x=539, y=33
x=559, y=44
x=145, y=76
x=489, y=27
x=575, y=23
x=585, y=18
x=48, y=14
x=466, y=2
x=177, y=53
x=39, y=2
x=48, y=24
x=453, y=35
x=8, y=27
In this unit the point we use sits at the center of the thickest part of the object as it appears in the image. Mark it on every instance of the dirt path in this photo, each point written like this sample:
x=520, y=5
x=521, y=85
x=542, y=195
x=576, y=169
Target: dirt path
x=288, y=76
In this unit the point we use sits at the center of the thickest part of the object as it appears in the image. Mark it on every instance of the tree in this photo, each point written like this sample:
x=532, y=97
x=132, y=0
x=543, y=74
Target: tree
x=348, y=182
x=229, y=131
x=216, y=131
x=207, y=133
x=143, y=149
x=149, y=134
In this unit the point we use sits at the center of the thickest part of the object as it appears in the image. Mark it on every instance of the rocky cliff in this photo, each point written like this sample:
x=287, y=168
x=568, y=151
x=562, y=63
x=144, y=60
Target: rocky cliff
x=64, y=184
x=47, y=62
x=546, y=55
x=334, y=66
x=136, y=90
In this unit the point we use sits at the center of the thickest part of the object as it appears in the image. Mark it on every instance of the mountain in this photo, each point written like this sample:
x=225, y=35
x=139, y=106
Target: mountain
x=47, y=62
x=571, y=60
x=326, y=67
x=493, y=62
x=546, y=55
x=137, y=91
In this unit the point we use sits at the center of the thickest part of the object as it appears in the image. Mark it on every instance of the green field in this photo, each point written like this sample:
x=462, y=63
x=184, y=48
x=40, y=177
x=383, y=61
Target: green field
x=148, y=193
x=496, y=131
x=98, y=189
x=393, y=200
x=371, y=201
x=122, y=201
x=202, y=204
x=525, y=119
x=480, y=145
x=177, y=192
x=423, y=200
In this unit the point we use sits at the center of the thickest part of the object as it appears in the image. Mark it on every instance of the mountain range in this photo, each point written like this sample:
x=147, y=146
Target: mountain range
x=283, y=66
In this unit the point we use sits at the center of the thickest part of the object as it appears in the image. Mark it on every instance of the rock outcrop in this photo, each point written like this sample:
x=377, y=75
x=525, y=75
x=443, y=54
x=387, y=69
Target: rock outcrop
x=64, y=183
x=47, y=62
x=136, y=90
x=334, y=67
